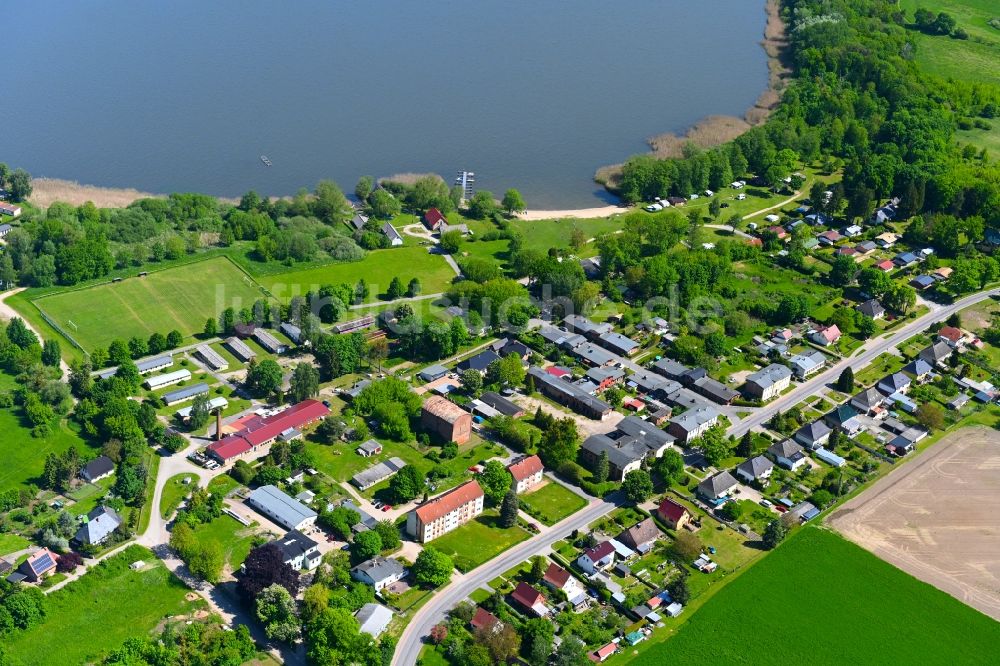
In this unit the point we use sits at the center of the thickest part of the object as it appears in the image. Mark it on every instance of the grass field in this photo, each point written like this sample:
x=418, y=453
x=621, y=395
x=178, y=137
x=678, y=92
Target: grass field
x=378, y=269
x=10, y=543
x=24, y=455
x=235, y=539
x=341, y=461
x=179, y=298
x=826, y=601
x=174, y=491
x=478, y=541
x=552, y=502
x=100, y=610
x=976, y=58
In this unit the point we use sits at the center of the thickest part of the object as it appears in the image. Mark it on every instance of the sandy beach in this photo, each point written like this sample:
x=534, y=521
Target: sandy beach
x=580, y=213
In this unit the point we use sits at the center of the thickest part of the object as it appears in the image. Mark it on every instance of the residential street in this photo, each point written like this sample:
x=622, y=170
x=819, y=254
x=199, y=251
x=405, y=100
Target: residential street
x=461, y=586
x=411, y=641
x=871, y=350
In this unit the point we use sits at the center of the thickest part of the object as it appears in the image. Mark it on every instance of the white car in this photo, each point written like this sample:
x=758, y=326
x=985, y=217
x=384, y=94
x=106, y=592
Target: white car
x=741, y=197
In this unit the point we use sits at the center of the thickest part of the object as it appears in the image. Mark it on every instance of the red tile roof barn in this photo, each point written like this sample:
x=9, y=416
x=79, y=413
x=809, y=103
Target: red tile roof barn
x=451, y=500
x=258, y=430
x=525, y=468
x=444, y=409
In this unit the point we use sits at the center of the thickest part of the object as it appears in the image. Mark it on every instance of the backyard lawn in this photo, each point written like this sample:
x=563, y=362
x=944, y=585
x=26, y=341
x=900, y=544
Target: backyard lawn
x=551, y=503
x=24, y=455
x=99, y=611
x=341, y=461
x=179, y=298
x=377, y=268
x=846, y=594
x=10, y=543
x=478, y=541
x=235, y=539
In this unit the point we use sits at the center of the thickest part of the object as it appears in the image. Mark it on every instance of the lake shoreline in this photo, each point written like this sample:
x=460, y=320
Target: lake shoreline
x=716, y=130
x=708, y=132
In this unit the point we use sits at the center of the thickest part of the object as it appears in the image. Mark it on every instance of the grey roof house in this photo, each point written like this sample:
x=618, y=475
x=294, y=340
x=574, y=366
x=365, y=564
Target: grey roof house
x=788, y=454
x=97, y=469
x=754, y=469
x=101, y=522
x=813, y=435
x=717, y=486
x=894, y=383
x=299, y=551
x=379, y=572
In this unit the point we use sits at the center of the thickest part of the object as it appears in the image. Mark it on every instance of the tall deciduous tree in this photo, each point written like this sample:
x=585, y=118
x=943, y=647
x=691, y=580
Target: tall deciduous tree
x=637, y=486
x=264, y=378
x=276, y=610
x=432, y=568
x=495, y=480
x=513, y=202
x=304, y=382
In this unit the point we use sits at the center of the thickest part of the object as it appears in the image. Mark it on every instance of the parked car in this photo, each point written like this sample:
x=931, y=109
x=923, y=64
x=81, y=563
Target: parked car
x=386, y=507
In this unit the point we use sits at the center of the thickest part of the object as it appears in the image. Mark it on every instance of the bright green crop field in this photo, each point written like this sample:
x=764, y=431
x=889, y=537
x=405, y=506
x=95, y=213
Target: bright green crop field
x=819, y=599
x=179, y=298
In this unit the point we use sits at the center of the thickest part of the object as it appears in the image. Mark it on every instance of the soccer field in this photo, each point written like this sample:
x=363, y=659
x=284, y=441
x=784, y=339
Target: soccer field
x=179, y=298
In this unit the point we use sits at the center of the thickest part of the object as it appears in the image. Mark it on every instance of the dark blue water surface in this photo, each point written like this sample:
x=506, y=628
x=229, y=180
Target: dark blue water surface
x=187, y=94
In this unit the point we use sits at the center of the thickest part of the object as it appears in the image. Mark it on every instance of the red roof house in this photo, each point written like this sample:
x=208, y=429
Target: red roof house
x=885, y=266
x=39, y=564
x=556, y=577
x=531, y=599
x=262, y=430
x=675, y=515
x=951, y=335
x=527, y=473
x=434, y=219
x=826, y=335
x=556, y=371
x=483, y=619
x=601, y=654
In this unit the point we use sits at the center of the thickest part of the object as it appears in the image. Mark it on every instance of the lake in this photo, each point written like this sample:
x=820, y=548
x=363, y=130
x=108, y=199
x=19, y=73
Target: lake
x=186, y=95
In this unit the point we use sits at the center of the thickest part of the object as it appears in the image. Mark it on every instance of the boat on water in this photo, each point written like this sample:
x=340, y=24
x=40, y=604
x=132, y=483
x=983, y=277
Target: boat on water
x=267, y=162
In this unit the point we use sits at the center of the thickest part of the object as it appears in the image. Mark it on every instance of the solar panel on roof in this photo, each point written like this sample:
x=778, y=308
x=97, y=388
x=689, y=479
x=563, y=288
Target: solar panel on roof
x=43, y=562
